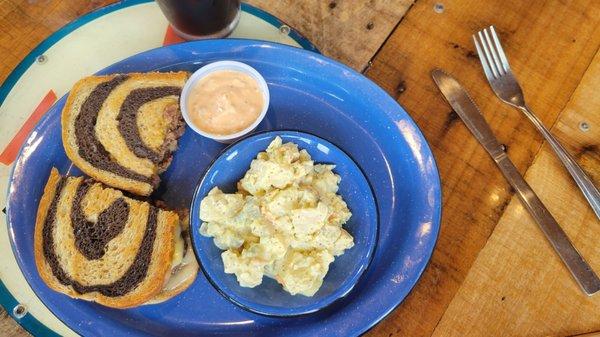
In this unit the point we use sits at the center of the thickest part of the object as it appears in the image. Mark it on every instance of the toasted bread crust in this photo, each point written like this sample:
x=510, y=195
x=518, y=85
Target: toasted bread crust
x=40, y=261
x=158, y=269
x=68, y=119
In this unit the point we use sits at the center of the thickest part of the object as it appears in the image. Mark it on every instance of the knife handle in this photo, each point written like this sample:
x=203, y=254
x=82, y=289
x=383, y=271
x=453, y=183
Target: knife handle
x=579, y=268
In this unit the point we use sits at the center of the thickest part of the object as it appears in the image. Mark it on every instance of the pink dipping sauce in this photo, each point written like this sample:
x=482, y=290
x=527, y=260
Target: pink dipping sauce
x=225, y=102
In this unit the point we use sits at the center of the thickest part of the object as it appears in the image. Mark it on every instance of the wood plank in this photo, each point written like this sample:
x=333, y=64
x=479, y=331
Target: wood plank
x=8, y=327
x=584, y=107
x=550, y=45
x=591, y=334
x=518, y=286
x=24, y=24
x=346, y=30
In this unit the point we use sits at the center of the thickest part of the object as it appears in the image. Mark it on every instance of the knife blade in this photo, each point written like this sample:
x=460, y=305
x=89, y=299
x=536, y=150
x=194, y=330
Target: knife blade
x=464, y=106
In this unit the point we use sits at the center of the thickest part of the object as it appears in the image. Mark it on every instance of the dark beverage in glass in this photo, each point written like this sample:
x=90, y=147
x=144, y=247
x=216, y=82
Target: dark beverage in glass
x=201, y=19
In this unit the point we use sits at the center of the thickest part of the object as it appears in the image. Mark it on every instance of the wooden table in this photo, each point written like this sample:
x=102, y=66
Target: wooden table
x=492, y=272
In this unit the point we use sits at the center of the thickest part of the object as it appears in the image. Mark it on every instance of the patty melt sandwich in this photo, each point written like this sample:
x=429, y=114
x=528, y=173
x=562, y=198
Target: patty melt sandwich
x=94, y=243
x=121, y=130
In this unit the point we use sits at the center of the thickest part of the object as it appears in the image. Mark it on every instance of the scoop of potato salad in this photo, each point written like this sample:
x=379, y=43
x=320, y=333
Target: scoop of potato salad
x=284, y=222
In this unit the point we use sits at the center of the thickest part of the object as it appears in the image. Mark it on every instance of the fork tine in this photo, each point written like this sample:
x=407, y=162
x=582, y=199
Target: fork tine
x=494, y=52
x=486, y=67
x=487, y=54
x=500, y=49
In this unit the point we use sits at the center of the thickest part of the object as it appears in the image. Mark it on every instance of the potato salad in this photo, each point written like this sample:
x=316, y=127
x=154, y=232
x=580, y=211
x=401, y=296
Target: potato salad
x=285, y=221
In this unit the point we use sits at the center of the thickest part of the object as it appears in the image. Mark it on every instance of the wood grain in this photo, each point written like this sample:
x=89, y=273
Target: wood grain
x=583, y=107
x=517, y=271
x=26, y=23
x=8, y=327
x=347, y=30
x=550, y=45
x=591, y=334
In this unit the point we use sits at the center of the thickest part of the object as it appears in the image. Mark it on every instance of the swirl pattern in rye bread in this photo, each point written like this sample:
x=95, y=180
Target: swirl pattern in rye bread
x=85, y=233
x=90, y=148
x=91, y=238
x=94, y=243
x=101, y=127
x=128, y=114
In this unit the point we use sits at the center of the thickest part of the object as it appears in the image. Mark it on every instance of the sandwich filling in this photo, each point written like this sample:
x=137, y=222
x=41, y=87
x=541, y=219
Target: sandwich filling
x=183, y=264
x=97, y=119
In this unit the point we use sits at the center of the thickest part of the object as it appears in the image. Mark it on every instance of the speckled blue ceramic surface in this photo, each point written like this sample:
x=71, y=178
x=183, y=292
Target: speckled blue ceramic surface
x=269, y=298
x=309, y=93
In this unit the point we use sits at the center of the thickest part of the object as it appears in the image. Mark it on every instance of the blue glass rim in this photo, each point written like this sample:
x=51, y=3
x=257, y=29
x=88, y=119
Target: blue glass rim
x=298, y=312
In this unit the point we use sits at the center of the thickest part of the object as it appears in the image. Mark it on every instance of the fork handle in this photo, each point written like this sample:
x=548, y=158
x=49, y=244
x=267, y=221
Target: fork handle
x=584, y=182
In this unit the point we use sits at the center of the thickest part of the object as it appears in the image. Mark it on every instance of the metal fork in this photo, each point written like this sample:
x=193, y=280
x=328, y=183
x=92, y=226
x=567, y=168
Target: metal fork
x=505, y=86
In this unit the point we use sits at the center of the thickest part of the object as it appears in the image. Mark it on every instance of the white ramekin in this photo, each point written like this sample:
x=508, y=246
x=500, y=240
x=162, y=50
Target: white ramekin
x=217, y=66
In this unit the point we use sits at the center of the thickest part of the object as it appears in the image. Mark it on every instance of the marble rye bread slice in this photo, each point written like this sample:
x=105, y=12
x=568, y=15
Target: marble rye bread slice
x=93, y=243
x=122, y=129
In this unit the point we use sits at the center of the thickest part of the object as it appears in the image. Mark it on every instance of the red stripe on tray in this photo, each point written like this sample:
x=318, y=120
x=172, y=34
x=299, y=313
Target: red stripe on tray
x=171, y=37
x=12, y=149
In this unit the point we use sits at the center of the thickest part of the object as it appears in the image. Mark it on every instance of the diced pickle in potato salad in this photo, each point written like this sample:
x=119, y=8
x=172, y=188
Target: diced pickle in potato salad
x=284, y=222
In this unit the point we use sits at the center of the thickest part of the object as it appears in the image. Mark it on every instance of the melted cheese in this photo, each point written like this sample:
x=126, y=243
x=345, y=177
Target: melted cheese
x=178, y=248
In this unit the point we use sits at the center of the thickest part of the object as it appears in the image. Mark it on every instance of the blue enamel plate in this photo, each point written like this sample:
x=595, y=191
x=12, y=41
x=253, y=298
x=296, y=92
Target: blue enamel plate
x=269, y=298
x=309, y=93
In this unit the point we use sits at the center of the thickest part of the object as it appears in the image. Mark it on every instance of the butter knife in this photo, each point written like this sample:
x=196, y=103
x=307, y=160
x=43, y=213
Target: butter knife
x=464, y=106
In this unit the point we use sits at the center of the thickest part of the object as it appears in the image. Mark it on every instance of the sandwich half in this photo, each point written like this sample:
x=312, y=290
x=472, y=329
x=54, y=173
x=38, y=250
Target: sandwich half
x=93, y=243
x=122, y=129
